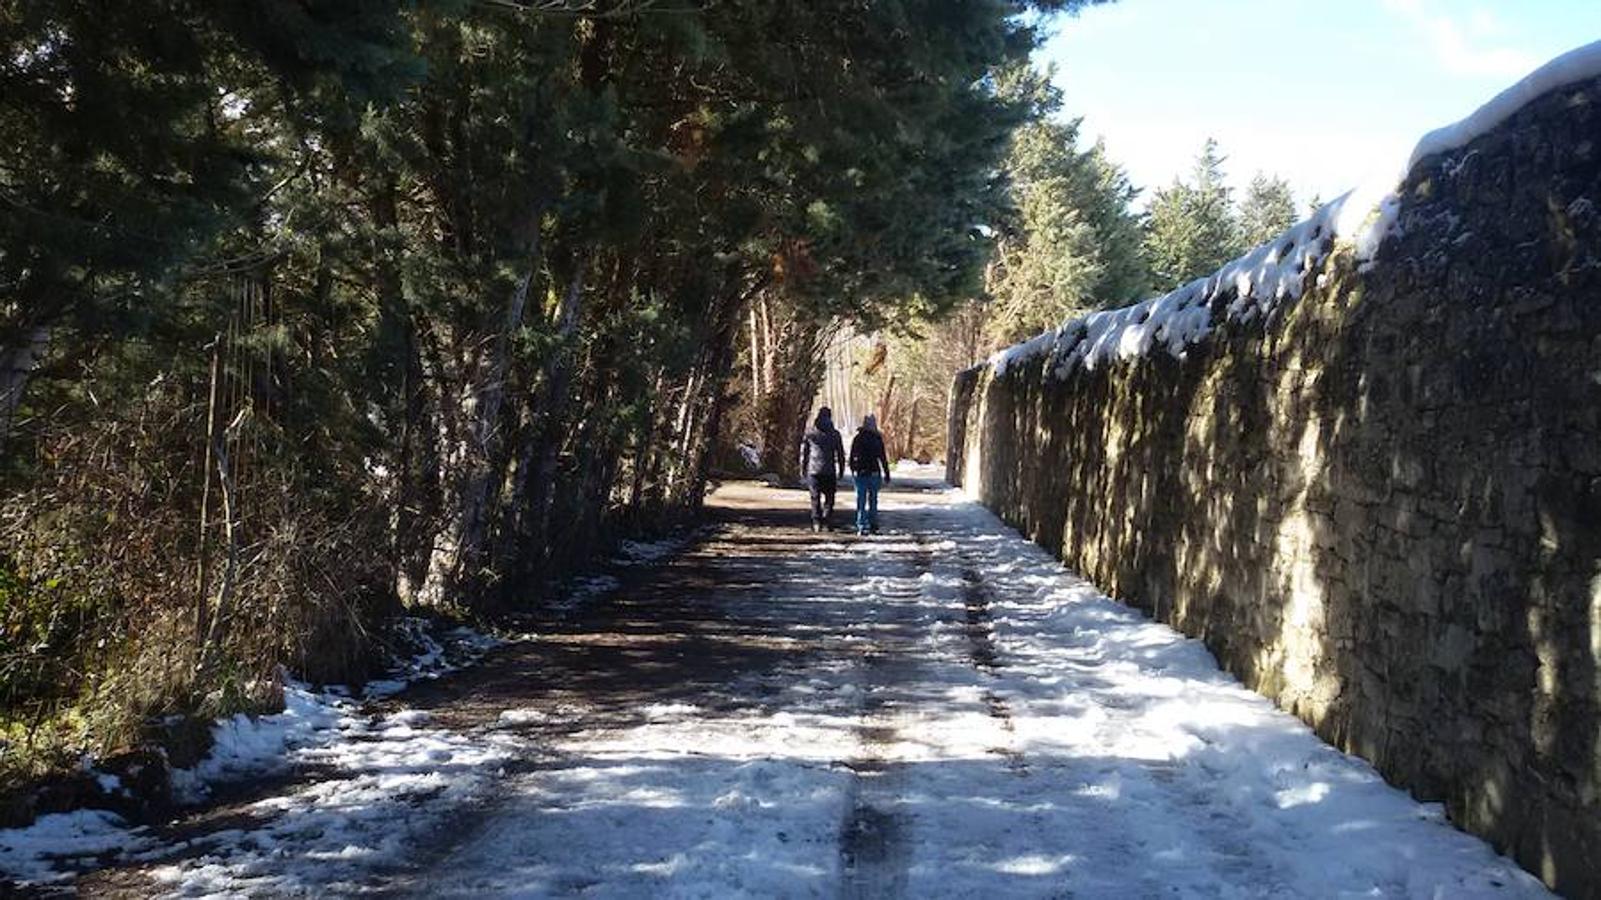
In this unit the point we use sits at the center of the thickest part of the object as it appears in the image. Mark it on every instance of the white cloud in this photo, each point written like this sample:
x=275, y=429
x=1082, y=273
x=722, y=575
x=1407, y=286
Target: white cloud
x=1469, y=45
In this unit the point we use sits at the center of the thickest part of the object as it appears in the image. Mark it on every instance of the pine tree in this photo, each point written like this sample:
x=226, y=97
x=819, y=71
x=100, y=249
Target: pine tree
x=1268, y=209
x=129, y=144
x=894, y=173
x=1193, y=228
x=1126, y=276
x=409, y=302
x=1069, y=243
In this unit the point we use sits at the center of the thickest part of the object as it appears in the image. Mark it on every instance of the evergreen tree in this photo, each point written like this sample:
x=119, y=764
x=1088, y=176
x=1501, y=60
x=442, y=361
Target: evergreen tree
x=1069, y=241
x=350, y=305
x=896, y=173
x=129, y=144
x=1127, y=275
x=1193, y=227
x=1268, y=209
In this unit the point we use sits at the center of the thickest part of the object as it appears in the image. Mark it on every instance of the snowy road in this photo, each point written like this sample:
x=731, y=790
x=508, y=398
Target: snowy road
x=938, y=711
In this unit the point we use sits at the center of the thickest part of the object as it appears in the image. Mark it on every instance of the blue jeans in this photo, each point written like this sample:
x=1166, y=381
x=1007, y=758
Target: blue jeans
x=867, y=501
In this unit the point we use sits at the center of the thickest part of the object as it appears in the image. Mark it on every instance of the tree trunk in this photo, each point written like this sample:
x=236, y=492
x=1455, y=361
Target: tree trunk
x=756, y=387
x=885, y=400
x=202, y=579
x=413, y=499
x=769, y=339
x=486, y=426
x=536, y=463
x=456, y=563
x=715, y=407
x=643, y=452
x=908, y=446
x=798, y=363
x=16, y=367
x=221, y=618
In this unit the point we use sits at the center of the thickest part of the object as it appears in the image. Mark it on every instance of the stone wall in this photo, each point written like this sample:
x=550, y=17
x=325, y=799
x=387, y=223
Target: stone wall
x=1380, y=506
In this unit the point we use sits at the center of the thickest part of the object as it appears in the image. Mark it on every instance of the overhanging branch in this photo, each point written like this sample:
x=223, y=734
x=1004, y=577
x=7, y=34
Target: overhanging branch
x=594, y=9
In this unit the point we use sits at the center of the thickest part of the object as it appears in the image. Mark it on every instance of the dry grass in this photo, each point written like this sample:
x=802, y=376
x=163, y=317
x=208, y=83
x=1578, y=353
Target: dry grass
x=105, y=578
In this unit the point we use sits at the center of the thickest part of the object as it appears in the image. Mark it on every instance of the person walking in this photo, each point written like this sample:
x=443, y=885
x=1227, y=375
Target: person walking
x=822, y=463
x=867, y=461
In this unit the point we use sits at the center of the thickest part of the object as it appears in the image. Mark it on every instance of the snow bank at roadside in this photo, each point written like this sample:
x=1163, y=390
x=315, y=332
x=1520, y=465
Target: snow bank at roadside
x=245, y=746
x=391, y=782
x=629, y=555
x=912, y=469
x=40, y=852
x=384, y=783
x=645, y=553
x=438, y=654
x=315, y=728
x=1277, y=271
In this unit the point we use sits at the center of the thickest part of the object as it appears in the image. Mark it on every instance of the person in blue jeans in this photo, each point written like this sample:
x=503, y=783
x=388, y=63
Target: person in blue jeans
x=867, y=461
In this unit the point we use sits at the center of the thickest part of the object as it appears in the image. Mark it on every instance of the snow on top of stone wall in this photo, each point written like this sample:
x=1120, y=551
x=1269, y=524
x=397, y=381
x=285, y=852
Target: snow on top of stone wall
x=1277, y=270
x=1578, y=64
x=1258, y=281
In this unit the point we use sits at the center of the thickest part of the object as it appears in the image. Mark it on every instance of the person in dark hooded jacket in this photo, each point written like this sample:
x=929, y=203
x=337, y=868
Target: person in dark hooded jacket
x=822, y=463
x=868, y=461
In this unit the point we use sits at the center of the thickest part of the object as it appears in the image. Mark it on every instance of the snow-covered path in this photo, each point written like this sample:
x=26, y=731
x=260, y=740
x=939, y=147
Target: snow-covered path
x=937, y=711
x=942, y=711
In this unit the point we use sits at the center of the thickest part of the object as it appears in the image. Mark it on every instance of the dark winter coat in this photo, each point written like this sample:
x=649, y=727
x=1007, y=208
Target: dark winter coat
x=867, y=453
x=822, y=449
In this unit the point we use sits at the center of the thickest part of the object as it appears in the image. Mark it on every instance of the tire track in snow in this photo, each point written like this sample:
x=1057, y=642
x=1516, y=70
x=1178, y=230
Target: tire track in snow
x=985, y=656
x=875, y=839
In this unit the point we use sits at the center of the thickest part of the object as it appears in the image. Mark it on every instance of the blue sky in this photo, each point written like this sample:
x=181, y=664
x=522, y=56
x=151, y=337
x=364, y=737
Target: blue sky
x=1323, y=93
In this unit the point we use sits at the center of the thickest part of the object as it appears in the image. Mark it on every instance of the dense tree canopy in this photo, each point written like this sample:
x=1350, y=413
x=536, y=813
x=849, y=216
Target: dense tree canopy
x=310, y=310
